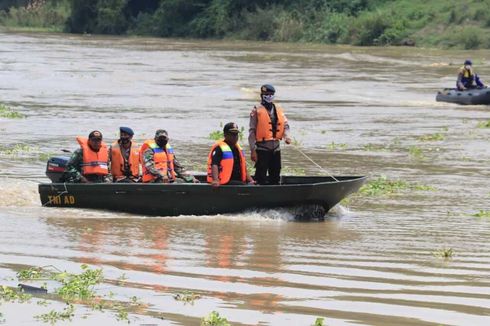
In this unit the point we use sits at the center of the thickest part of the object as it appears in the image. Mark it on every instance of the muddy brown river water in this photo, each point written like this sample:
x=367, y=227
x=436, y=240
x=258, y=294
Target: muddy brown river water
x=355, y=111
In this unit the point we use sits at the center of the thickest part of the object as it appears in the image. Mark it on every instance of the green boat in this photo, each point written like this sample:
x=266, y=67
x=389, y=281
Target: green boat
x=315, y=194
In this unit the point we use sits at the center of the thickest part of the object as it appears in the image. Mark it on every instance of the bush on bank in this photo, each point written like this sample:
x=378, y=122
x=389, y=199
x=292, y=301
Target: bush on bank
x=442, y=23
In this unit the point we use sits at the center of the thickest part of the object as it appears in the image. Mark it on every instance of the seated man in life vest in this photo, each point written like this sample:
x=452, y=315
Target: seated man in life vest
x=89, y=163
x=226, y=161
x=467, y=78
x=124, y=157
x=159, y=163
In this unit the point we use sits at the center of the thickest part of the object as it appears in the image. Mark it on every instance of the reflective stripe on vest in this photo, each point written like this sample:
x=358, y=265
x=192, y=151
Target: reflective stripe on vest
x=164, y=160
x=225, y=168
x=118, y=161
x=264, y=124
x=94, y=163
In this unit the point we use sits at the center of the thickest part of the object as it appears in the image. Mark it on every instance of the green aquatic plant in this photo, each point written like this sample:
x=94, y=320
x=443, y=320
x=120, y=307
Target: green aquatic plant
x=2, y=320
x=187, y=297
x=214, y=319
x=421, y=187
x=416, y=152
x=79, y=286
x=54, y=316
x=333, y=146
x=6, y=112
x=319, y=322
x=8, y=294
x=446, y=253
x=17, y=149
x=32, y=273
x=432, y=137
x=483, y=124
x=374, y=148
x=383, y=187
x=122, y=314
x=482, y=213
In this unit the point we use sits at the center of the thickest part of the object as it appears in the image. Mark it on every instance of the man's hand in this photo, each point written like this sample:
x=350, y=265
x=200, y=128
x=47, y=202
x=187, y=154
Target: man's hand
x=215, y=183
x=83, y=180
x=253, y=156
x=287, y=140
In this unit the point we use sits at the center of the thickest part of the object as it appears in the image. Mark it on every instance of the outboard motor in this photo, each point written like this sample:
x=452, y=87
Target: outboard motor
x=55, y=168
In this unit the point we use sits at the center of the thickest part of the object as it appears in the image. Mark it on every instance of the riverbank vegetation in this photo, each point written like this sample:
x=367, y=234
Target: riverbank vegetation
x=442, y=23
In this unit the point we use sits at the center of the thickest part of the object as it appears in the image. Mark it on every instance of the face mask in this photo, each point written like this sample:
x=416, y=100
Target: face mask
x=162, y=142
x=125, y=140
x=268, y=98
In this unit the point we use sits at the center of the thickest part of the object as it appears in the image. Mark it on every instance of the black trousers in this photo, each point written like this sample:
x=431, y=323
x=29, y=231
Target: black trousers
x=268, y=162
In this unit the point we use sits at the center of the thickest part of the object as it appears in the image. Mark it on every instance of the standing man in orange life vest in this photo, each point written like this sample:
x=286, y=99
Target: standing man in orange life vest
x=124, y=157
x=226, y=161
x=89, y=163
x=159, y=163
x=268, y=125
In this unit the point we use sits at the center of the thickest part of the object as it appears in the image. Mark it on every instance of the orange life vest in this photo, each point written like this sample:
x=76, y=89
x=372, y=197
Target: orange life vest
x=94, y=162
x=118, y=161
x=226, y=165
x=264, y=124
x=164, y=160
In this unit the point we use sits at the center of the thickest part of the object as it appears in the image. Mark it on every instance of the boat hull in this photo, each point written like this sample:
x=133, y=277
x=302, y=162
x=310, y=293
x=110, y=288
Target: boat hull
x=199, y=199
x=466, y=97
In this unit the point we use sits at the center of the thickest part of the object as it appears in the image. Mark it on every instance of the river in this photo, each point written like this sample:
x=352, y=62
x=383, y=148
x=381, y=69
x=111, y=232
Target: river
x=354, y=111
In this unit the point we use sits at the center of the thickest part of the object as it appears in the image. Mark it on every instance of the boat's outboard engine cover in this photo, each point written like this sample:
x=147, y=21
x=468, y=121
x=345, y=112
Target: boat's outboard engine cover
x=55, y=168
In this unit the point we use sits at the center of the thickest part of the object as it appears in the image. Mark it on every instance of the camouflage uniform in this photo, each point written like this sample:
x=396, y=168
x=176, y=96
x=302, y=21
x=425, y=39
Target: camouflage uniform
x=179, y=169
x=73, y=170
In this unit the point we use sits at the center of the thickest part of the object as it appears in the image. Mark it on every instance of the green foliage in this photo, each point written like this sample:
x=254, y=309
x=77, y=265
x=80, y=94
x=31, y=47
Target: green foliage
x=6, y=112
x=187, y=297
x=483, y=124
x=416, y=152
x=9, y=295
x=462, y=24
x=334, y=147
x=382, y=186
x=79, y=286
x=432, y=137
x=214, y=319
x=54, y=316
x=445, y=253
x=482, y=213
x=43, y=15
x=319, y=322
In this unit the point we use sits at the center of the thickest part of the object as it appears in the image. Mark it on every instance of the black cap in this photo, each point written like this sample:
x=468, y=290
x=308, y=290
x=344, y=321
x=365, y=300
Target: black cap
x=468, y=62
x=267, y=88
x=161, y=133
x=95, y=135
x=231, y=128
x=127, y=130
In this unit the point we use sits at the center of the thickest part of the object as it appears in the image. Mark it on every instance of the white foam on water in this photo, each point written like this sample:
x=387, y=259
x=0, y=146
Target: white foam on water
x=18, y=193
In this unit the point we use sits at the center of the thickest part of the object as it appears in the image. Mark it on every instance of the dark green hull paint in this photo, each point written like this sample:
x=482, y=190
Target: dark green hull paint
x=467, y=97
x=199, y=199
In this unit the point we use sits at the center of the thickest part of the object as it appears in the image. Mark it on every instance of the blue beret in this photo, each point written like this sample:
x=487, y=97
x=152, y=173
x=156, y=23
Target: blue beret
x=127, y=130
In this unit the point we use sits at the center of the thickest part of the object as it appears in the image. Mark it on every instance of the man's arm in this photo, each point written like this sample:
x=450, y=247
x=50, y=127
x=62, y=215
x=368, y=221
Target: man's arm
x=252, y=133
x=216, y=158
x=287, y=138
x=180, y=172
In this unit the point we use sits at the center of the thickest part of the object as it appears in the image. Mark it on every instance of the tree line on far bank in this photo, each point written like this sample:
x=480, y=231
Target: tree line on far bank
x=443, y=23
